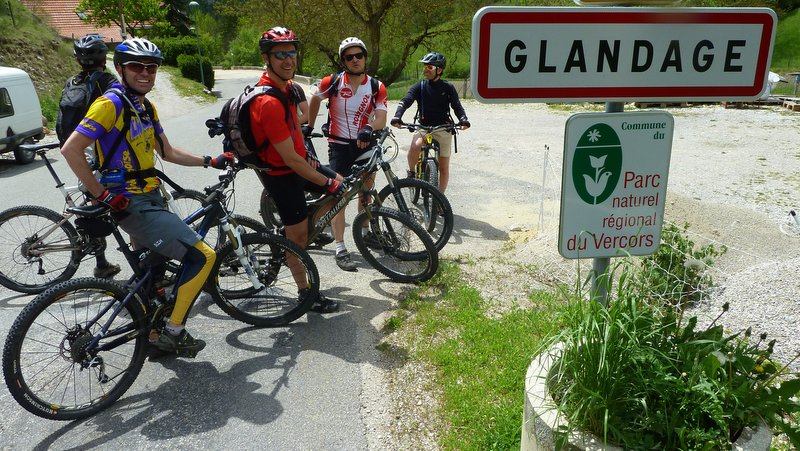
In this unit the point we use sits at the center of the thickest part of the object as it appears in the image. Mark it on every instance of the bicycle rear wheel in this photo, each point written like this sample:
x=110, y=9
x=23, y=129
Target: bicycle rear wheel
x=432, y=210
x=397, y=246
x=38, y=249
x=278, y=302
x=269, y=211
x=46, y=365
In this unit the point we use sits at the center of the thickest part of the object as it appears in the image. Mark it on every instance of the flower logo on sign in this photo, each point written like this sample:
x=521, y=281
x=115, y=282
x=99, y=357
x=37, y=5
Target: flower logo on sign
x=597, y=164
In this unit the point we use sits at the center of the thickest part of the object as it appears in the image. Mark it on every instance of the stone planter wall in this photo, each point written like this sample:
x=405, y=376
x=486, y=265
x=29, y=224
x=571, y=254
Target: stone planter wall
x=540, y=417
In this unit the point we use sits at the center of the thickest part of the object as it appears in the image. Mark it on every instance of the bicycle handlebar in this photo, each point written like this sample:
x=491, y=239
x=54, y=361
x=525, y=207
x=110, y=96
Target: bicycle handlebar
x=452, y=128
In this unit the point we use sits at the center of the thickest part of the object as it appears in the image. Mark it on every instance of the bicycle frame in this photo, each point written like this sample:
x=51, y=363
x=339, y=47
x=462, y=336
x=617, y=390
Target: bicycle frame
x=140, y=283
x=357, y=183
x=67, y=192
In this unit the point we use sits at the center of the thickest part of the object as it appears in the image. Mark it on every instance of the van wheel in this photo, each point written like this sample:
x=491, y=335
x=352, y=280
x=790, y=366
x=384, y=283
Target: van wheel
x=24, y=156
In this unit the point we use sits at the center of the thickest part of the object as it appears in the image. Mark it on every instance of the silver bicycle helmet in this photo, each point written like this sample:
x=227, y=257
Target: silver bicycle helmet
x=136, y=49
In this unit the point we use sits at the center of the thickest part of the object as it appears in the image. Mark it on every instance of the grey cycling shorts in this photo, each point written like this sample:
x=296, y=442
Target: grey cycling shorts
x=150, y=224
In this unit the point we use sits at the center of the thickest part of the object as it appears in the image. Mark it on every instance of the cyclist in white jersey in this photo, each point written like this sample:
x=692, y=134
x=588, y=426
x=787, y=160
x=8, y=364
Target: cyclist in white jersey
x=357, y=105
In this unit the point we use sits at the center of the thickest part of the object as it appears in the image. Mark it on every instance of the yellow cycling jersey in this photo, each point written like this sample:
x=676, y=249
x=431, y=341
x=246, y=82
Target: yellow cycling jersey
x=104, y=122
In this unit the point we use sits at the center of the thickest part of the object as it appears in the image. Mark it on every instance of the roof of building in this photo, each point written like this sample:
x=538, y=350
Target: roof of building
x=60, y=14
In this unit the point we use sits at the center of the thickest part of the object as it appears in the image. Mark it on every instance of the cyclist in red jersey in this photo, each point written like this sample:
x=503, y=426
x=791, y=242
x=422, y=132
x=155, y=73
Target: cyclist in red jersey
x=358, y=105
x=290, y=167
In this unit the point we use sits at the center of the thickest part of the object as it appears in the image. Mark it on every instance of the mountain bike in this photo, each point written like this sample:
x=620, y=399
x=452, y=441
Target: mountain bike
x=78, y=346
x=427, y=167
x=389, y=240
x=432, y=210
x=40, y=247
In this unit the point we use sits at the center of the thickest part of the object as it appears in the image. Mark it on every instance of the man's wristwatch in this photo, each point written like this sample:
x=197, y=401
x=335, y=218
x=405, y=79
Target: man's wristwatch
x=206, y=161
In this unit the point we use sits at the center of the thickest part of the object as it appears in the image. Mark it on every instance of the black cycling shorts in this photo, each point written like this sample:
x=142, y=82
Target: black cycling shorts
x=289, y=193
x=342, y=156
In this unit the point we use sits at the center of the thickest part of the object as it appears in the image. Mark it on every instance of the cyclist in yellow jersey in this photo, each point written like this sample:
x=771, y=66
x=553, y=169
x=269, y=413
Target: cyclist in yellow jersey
x=126, y=131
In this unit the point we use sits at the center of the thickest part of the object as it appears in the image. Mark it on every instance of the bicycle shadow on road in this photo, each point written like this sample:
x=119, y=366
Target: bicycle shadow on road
x=180, y=406
x=468, y=229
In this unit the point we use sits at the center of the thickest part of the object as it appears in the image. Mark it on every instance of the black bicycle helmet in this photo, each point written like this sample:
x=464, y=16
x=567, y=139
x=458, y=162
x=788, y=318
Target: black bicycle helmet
x=275, y=36
x=136, y=49
x=90, y=50
x=434, y=59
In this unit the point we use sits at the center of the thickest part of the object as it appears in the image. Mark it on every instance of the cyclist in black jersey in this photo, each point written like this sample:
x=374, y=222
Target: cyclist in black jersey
x=435, y=97
x=90, y=52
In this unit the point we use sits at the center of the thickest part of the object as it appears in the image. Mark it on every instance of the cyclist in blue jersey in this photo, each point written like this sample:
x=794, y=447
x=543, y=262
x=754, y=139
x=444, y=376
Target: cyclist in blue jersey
x=127, y=133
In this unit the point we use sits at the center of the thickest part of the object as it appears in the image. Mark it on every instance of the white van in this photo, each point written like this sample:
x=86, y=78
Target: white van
x=20, y=113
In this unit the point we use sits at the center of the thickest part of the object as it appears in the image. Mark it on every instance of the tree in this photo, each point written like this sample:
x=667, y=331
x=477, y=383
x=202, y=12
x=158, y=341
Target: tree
x=392, y=29
x=137, y=14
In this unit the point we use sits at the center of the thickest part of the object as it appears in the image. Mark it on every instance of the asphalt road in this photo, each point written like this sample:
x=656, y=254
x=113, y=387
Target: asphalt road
x=317, y=383
x=294, y=387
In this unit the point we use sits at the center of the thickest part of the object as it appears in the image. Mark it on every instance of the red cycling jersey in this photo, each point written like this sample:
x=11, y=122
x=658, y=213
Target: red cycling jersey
x=268, y=122
x=350, y=110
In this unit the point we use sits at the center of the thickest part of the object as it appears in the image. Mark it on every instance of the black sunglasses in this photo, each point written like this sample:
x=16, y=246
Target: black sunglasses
x=283, y=55
x=352, y=56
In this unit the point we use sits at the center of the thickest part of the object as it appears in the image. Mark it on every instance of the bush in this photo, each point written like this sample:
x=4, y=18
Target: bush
x=190, y=68
x=172, y=48
x=640, y=375
x=243, y=50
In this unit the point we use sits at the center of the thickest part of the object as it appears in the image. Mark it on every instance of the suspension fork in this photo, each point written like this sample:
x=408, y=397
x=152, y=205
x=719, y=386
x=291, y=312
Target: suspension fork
x=391, y=179
x=249, y=262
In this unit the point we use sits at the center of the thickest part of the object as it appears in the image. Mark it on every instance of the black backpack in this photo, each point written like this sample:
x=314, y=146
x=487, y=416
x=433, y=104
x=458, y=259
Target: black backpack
x=235, y=120
x=77, y=96
x=333, y=90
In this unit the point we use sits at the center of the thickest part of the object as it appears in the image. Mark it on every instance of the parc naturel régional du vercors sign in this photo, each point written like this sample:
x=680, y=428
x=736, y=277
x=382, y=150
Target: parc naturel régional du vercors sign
x=614, y=183
x=613, y=54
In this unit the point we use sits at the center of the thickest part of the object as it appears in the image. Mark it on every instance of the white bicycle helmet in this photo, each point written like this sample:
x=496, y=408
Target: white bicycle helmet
x=351, y=42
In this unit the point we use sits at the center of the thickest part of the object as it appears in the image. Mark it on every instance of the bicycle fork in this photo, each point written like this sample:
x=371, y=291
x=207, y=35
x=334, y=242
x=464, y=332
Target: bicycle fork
x=249, y=262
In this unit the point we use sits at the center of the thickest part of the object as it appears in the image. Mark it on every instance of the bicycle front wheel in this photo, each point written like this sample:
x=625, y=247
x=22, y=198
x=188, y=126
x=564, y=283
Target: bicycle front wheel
x=431, y=210
x=49, y=365
x=38, y=248
x=278, y=264
x=395, y=244
x=430, y=172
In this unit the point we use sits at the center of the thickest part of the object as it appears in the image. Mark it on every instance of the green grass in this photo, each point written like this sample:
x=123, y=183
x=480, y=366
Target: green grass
x=786, y=51
x=186, y=87
x=480, y=361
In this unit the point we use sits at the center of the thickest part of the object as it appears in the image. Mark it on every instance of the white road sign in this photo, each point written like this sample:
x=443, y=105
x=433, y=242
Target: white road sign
x=619, y=54
x=614, y=183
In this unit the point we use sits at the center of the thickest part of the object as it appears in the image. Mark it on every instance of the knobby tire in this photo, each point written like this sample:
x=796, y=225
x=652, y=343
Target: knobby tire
x=404, y=251
x=278, y=303
x=432, y=210
x=20, y=261
x=46, y=345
